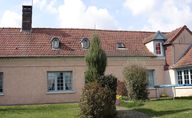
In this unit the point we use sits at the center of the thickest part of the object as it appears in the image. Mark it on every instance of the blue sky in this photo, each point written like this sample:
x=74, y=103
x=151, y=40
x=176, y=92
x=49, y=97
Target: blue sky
x=149, y=15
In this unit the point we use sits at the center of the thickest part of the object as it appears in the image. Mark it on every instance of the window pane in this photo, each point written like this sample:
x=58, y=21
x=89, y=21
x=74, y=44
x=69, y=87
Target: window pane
x=186, y=76
x=1, y=82
x=191, y=75
x=150, y=74
x=51, y=81
x=60, y=82
x=158, y=48
x=179, y=77
x=68, y=80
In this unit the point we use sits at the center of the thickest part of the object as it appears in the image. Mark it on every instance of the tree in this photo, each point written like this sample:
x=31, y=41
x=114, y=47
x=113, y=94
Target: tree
x=99, y=94
x=96, y=60
x=136, y=82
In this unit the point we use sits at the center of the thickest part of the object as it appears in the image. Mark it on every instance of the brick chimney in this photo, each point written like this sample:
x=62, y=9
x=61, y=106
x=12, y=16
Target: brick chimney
x=27, y=18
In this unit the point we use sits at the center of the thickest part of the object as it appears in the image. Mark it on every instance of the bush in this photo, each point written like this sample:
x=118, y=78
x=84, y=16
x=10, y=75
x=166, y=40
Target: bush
x=121, y=88
x=136, y=82
x=96, y=102
x=110, y=82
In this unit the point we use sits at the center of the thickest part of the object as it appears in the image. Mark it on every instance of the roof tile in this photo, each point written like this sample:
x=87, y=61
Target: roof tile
x=14, y=43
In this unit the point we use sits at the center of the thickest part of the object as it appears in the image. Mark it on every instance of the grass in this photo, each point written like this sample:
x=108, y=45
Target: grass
x=40, y=111
x=178, y=108
x=167, y=108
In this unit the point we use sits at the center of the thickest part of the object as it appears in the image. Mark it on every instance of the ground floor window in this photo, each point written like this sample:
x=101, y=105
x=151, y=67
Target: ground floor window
x=1, y=82
x=151, y=80
x=59, y=81
x=184, y=76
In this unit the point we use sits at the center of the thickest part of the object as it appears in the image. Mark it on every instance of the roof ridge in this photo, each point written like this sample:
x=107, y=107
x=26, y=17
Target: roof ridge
x=108, y=30
x=174, y=33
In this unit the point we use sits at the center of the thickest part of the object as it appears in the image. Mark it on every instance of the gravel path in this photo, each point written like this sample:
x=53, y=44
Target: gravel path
x=126, y=113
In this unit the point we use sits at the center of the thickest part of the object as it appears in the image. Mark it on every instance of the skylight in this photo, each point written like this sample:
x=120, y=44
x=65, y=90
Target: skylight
x=85, y=43
x=120, y=45
x=55, y=43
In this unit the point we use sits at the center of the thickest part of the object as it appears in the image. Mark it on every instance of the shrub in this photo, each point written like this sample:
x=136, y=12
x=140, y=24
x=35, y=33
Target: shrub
x=110, y=82
x=136, y=82
x=95, y=102
x=96, y=60
x=121, y=88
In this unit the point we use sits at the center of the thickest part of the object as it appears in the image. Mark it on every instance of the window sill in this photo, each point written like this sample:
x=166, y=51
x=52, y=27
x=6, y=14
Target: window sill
x=151, y=88
x=1, y=94
x=61, y=92
x=183, y=87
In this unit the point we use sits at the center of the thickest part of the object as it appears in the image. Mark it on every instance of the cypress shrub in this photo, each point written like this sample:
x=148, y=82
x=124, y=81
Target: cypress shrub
x=96, y=60
x=110, y=82
x=95, y=102
x=136, y=82
x=99, y=94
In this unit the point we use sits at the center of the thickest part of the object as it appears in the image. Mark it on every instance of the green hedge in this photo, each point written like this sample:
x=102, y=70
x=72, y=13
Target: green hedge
x=136, y=82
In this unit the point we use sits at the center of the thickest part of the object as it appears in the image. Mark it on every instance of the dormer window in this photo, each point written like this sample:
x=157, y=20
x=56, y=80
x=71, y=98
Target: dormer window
x=158, y=48
x=120, y=45
x=85, y=43
x=55, y=43
x=154, y=43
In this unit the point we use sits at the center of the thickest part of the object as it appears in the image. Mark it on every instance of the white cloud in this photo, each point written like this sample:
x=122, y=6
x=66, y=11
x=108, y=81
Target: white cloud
x=139, y=6
x=10, y=19
x=164, y=15
x=75, y=14
x=48, y=5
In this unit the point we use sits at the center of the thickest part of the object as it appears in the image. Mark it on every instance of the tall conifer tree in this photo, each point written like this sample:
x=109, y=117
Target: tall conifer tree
x=96, y=60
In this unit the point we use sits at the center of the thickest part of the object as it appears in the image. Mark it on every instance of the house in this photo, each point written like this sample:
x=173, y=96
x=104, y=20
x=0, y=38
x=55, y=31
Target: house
x=46, y=65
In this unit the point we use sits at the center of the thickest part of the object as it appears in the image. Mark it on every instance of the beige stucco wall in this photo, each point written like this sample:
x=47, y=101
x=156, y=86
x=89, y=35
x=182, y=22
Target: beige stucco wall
x=183, y=91
x=25, y=79
x=171, y=78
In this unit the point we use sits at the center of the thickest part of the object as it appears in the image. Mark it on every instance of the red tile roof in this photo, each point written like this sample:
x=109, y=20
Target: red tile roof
x=171, y=36
x=185, y=61
x=14, y=43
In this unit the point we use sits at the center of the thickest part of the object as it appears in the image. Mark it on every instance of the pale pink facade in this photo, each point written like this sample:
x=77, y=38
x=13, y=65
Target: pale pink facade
x=25, y=79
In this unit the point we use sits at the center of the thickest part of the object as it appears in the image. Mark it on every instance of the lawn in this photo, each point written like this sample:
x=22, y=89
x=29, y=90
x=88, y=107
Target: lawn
x=40, y=111
x=179, y=108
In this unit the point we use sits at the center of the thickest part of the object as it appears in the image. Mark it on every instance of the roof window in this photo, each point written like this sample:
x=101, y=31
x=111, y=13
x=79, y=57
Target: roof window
x=55, y=43
x=120, y=45
x=85, y=43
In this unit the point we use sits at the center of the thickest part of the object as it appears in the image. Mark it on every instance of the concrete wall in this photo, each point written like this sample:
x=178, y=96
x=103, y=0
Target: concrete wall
x=25, y=79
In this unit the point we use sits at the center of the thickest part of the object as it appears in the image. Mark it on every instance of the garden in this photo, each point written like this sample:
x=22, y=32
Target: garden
x=164, y=108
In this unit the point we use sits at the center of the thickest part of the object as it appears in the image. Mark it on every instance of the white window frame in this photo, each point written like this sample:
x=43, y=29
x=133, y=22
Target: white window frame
x=56, y=82
x=161, y=48
x=153, y=72
x=189, y=75
x=1, y=77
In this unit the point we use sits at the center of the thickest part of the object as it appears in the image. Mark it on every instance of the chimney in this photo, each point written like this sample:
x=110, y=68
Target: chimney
x=27, y=18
